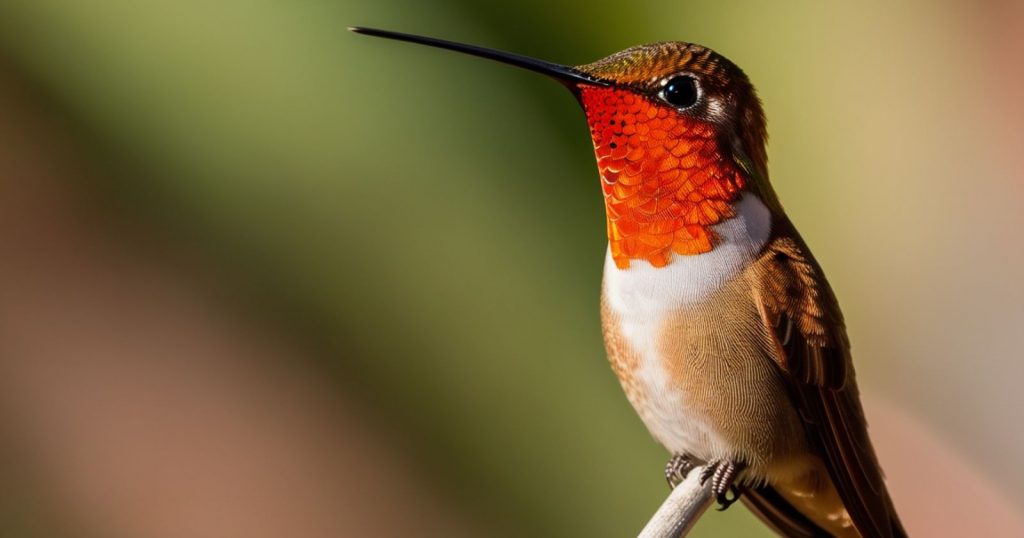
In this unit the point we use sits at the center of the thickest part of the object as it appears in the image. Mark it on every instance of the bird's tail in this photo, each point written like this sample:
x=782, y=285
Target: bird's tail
x=786, y=520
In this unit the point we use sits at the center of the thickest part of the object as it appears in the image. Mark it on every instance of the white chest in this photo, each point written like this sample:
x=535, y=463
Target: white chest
x=641, y=297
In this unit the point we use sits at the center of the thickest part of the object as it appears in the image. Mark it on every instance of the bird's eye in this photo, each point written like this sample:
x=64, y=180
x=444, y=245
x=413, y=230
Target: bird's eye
x=680, y=91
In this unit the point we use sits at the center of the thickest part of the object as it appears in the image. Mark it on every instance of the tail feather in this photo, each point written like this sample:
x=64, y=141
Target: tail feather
x=775, y=511
x=780, y=515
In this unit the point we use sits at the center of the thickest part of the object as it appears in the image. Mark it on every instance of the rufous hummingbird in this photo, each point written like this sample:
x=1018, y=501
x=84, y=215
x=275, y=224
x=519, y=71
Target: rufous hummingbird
x=718, y=321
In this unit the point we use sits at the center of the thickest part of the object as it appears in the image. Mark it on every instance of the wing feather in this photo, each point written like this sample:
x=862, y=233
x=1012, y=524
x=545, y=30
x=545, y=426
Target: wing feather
x=803, y=315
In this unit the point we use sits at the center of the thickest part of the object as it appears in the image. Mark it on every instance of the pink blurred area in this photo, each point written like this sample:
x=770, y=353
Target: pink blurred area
x=937, y=491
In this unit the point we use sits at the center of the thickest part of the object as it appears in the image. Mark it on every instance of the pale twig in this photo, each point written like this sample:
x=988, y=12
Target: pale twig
x=681, y=510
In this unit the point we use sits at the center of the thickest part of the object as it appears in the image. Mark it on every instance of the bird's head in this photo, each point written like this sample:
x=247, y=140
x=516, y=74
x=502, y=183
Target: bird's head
x=678, y=132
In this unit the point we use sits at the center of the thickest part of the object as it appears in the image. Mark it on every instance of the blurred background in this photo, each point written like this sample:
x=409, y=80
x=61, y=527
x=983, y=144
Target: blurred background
x=263, y=277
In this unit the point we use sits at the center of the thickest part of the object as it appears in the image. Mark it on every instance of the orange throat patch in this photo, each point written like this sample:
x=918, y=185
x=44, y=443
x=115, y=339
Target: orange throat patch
x=664, y=178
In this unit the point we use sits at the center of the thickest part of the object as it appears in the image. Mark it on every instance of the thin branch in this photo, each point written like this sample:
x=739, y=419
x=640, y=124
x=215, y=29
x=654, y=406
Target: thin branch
x=681, y=510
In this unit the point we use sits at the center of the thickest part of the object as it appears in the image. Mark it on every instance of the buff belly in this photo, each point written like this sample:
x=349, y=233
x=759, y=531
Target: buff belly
x=694, y=358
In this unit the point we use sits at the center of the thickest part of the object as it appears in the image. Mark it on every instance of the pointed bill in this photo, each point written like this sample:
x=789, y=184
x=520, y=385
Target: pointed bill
x=566, y=75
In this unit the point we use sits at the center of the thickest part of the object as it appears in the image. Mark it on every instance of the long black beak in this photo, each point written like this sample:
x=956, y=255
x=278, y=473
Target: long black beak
x=566, y=75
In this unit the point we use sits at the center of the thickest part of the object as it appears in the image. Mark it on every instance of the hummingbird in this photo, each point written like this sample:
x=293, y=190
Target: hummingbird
x=718, y=321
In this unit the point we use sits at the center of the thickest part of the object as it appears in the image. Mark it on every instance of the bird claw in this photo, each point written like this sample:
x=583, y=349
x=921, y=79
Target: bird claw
x=723, y=476
x=677, y=469
x=723, y=499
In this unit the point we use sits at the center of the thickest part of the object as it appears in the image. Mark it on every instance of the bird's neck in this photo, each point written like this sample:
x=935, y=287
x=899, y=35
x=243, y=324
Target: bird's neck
x=666, y=181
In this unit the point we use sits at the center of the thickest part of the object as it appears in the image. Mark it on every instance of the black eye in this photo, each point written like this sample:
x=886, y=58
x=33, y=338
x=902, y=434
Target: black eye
x=680, y=91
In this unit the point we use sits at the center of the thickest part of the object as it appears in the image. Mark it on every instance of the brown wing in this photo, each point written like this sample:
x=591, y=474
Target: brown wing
x=814, y=354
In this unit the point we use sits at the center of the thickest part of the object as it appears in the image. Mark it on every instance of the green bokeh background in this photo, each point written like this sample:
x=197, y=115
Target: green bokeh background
x=434, y=222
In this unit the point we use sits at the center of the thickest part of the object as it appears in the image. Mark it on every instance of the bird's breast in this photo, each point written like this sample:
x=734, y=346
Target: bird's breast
x=642, y=306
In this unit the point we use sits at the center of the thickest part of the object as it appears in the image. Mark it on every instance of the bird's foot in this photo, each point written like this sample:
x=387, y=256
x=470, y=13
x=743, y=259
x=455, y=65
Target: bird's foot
x=723, y=476
x=677, y=468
